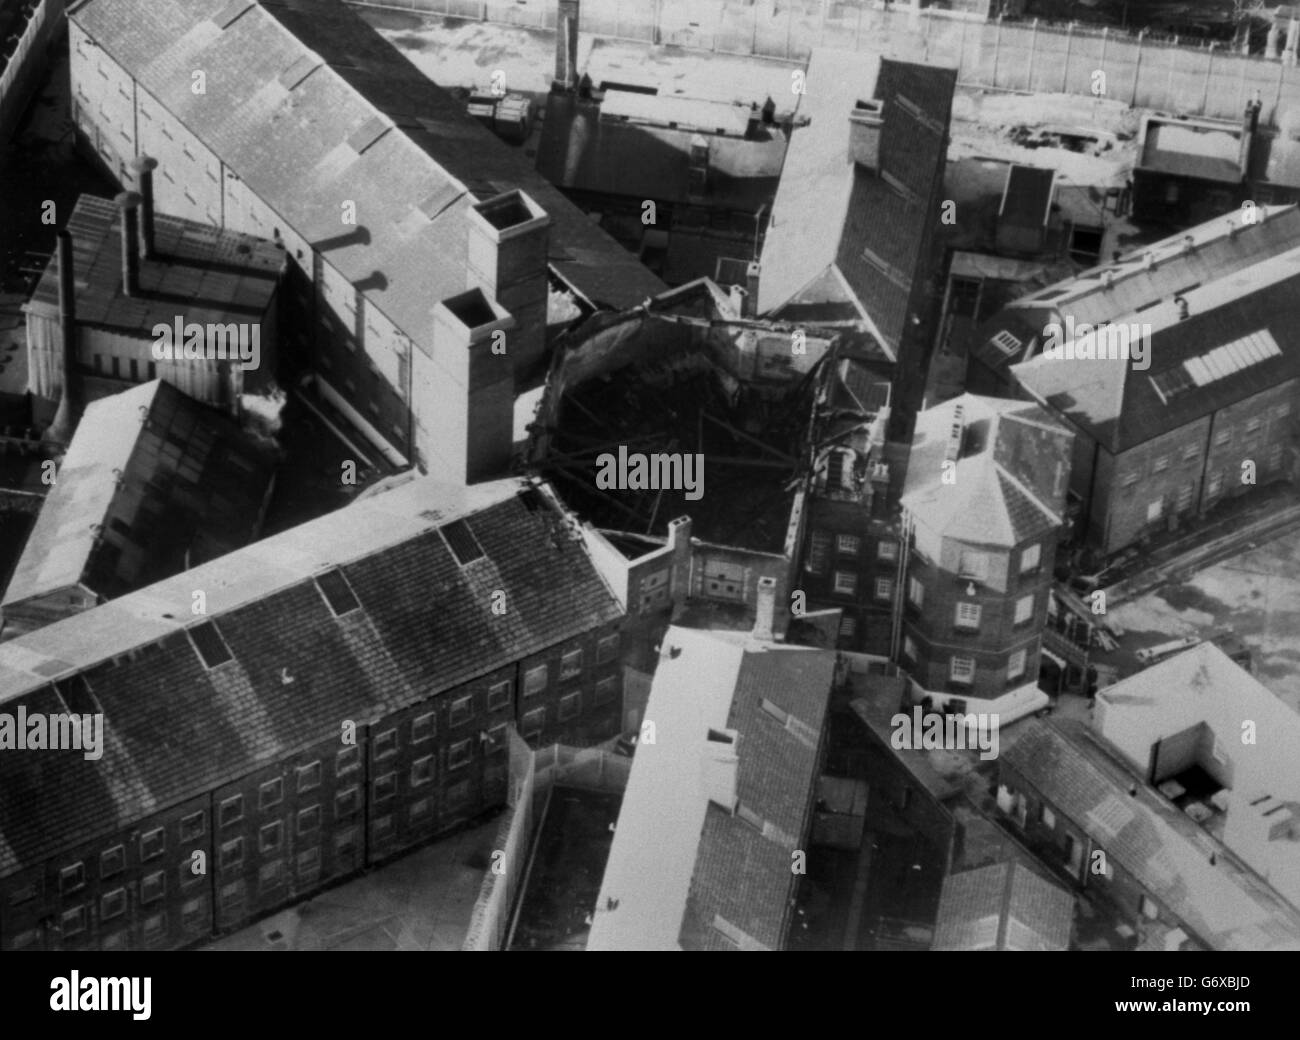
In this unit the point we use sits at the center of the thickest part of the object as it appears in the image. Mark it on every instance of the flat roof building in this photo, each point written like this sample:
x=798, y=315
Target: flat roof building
x=1221, y=747
x=1110, y=833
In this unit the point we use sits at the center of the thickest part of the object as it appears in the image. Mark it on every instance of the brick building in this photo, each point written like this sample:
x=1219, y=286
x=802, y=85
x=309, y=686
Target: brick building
x=345, y=696
x=395, y=198
x=850, y=556
x=983, y=508
x=1208, y=416
x=1131, y=283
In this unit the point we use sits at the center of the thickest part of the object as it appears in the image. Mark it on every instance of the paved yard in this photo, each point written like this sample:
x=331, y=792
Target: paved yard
x=1255, y=593
x=420, y=902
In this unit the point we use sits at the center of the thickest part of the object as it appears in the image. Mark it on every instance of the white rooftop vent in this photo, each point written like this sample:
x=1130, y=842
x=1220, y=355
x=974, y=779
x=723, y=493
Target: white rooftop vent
x=719, y=764
x=953, y=448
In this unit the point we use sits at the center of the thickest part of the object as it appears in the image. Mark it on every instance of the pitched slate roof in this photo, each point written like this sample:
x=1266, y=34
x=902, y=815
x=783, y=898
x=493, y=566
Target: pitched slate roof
x=309, y=106
x=174, y=728
x=684, y=872
x=215, y=275
x=1221, y=903
x=775, y=780
x=1004, y=906
x=1027, y=198
x=1136, y=280
x=162, y=476
x=1121, y=407
x=1012, y=466
x=830, y=213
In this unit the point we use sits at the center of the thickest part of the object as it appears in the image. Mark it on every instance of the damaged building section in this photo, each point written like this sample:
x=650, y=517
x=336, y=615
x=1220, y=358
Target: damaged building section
x=685, y=377
x=750, y=449
x=851, y=554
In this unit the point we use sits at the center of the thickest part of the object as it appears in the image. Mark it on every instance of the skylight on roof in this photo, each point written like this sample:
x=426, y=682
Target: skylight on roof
x=210, y=644
x=337, y=592
x=1006, y=342
x=773, y=710
x=1216, y=364
x=1171, y=382
x=1233, y=357
x=460, y=539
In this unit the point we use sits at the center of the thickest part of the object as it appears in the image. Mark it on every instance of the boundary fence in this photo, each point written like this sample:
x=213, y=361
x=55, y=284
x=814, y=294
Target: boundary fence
x=1140, y=70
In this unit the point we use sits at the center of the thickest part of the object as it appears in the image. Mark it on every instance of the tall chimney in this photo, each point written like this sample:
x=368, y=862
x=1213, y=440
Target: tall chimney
x=679, y=540
x=129, y=201
x=65, y=418
x=765, y=612
x=473, y=433
x=506, y=256
x=566, y=46
x=752, y=273
x=144, y=167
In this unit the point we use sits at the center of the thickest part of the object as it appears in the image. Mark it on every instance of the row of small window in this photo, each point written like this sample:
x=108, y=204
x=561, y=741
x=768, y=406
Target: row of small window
x=851, y=545
x=535, y=679
x=153, y=843
x=1222, y=438
x=975, y=565
x=308, y=778
x=846, y=584
x=1213, y=487
x=271, y=793
x=73, y=923
x=968, y=615
x=961, y=669
x=819, y=546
